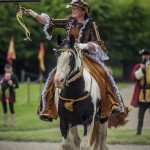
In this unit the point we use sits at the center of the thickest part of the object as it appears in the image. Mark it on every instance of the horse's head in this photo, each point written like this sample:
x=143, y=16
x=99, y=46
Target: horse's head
x=68, y=61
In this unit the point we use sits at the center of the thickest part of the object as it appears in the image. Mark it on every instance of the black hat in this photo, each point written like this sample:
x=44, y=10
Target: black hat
x=82, y=4
x=8, y=66
x=144, y=51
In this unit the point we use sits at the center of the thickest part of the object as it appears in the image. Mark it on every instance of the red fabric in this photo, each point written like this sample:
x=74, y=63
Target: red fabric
x=136, y=93
x=9, y=100
x=10, y=57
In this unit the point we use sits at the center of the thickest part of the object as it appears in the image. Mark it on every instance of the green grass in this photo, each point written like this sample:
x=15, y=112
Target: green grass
x=115, y=136
x=26, y=114
x=30, y=128
x=122, y=85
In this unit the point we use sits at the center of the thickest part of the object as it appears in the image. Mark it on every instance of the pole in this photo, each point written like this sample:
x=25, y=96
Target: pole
x=28, y=90
x=40, y=83
x=23, y=75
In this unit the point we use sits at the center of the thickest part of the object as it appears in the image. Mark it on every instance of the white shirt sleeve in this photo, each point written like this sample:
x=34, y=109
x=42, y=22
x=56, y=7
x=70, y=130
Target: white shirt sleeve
x=139, y=74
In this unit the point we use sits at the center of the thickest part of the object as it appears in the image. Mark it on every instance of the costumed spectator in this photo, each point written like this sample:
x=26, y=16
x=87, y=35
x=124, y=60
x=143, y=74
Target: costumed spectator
x=5, y=85
x=141, y=95
x=9, y=82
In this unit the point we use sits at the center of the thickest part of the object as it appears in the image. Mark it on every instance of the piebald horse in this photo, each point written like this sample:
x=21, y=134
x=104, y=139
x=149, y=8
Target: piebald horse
x=78, y=96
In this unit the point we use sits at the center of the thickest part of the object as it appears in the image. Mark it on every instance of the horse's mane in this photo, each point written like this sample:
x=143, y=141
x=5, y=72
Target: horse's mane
x=65, y=43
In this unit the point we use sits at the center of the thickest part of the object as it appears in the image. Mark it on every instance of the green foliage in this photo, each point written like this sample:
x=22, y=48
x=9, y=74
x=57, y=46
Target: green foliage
x=124, y=26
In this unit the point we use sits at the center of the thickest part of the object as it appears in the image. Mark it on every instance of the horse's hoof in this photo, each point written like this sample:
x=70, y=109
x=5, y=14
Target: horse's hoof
x=85, y=148
x=76, y=142
x=67, y=146
x=84, y=144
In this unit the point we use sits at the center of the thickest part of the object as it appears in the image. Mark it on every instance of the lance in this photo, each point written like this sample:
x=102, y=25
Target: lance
x=22, y=11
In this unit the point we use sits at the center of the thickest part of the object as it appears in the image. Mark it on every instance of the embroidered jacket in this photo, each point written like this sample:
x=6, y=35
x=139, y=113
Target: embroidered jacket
x=88, y=32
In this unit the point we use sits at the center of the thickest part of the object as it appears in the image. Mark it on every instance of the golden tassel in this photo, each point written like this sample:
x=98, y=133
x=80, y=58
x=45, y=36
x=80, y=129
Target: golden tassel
x=69, y=105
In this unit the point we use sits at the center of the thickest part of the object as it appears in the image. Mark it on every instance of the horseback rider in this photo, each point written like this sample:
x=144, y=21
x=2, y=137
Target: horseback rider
x=84, y=29
x=141, y=95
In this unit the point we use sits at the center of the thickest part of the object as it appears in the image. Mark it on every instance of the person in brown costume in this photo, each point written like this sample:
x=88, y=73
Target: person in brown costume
x=84, y=29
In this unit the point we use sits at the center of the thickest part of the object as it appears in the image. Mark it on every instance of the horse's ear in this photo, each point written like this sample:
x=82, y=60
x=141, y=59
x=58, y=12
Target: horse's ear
x=72, y=41
x=59, y=41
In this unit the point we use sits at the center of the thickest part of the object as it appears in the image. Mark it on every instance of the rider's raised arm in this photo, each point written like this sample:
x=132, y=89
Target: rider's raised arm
x=49, y=23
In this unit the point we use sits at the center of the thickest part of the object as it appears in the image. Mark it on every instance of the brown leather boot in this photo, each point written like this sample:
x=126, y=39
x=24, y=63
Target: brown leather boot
x=116, y=111
x=12, y=120
x=5, y=120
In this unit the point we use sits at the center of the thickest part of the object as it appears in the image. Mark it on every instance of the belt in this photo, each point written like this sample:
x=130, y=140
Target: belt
x=147, y=87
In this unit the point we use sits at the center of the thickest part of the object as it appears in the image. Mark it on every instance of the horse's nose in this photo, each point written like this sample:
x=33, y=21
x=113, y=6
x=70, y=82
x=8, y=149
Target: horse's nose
x=62, y=80
x=59, y=80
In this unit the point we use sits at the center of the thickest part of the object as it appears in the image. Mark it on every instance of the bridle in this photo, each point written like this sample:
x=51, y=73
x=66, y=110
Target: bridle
x=72, y=75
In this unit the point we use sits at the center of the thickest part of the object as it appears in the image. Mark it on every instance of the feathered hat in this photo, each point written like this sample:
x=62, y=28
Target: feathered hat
x=144, y=51
x=80, y=3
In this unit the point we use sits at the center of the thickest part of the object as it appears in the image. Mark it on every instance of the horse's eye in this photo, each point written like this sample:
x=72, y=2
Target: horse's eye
x=57, y=54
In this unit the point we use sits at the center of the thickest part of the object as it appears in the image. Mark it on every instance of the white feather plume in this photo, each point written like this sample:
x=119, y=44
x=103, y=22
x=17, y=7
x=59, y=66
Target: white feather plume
x=74, y=1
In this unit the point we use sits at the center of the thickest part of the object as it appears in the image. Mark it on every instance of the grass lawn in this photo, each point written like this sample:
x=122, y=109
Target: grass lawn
x=30, y=128
x=26, y=114
x=115, y=136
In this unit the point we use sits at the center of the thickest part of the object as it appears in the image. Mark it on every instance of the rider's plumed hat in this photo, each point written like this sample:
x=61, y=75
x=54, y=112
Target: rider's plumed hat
x=144, y=51
x=82, y=4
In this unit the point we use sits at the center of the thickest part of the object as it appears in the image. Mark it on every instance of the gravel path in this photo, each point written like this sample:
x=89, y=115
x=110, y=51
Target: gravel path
x=55, y=146
x=133, y=116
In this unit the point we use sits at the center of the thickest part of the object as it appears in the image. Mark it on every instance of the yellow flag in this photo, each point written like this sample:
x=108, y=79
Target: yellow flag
x=11, y=51
x=41, y=57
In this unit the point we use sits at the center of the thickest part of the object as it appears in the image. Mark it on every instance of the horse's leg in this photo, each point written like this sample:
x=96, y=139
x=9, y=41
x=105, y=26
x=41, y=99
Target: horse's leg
x=64, y=127
x=103, y=136
x=66, y=143
x=98, y=139
x=75, y=136
x=85, y=143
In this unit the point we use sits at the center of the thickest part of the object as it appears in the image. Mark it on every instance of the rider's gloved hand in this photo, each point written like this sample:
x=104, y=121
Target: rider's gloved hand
x=32, y=13
x=82, y=46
